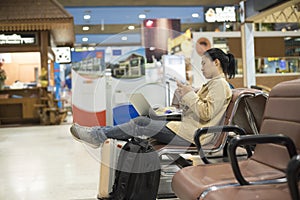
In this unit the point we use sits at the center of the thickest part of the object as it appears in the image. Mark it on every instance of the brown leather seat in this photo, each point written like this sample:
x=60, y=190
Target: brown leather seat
x=262, y=192
x=269, y=162
x=287, y=190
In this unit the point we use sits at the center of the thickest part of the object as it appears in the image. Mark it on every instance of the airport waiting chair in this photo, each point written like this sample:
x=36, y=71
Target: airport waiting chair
x=293, y=173
x=245, y=109
x=287, y=190
x=277, y=142
x=261, y=87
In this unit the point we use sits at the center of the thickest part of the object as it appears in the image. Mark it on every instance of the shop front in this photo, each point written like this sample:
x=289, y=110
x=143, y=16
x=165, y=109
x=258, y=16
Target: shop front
x=29, y=30
x=276, y=55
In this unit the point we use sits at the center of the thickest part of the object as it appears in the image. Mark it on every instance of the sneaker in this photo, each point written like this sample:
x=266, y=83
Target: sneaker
x=91, y=136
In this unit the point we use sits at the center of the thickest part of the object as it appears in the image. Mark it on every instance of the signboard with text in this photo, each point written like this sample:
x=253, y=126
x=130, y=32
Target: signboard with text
x=220, y=14
x=18, y=39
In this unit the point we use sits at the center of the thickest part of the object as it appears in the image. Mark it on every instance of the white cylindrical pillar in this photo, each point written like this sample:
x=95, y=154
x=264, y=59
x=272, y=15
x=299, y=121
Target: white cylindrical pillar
x=247, y=34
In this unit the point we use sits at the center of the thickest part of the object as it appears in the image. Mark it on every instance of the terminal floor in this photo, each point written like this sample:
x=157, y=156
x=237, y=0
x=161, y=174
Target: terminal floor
x=46, y=163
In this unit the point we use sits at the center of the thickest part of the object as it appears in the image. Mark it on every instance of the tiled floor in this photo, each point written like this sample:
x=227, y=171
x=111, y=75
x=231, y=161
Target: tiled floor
x=46, y=163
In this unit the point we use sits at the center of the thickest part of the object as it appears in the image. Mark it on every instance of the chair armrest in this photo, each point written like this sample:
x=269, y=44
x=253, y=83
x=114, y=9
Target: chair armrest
x=293, y=171
x=213, y=129
x=256, y=139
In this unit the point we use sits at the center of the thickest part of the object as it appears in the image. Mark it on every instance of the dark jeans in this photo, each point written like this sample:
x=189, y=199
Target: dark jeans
x=144, y=126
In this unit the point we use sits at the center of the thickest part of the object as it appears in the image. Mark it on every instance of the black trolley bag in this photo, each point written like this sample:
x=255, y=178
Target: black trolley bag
x=138, y=172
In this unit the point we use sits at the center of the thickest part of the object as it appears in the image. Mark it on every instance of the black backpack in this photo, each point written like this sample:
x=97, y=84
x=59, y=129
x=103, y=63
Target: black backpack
x=138, y=172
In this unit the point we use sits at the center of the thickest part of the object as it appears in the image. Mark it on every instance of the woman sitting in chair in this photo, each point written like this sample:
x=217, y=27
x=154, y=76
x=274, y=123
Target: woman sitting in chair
x=201, y=109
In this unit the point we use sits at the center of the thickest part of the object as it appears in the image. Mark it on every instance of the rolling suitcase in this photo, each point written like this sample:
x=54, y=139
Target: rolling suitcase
x=110, y=152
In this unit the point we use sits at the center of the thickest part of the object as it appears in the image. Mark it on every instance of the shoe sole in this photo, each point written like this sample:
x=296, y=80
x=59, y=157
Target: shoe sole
x=82, y=141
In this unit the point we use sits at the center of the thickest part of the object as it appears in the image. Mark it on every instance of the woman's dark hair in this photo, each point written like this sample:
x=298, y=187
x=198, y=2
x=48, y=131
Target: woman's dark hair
x=227, y=60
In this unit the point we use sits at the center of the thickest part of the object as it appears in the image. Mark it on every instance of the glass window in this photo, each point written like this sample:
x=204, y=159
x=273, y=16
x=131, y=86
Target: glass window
x=278, y=65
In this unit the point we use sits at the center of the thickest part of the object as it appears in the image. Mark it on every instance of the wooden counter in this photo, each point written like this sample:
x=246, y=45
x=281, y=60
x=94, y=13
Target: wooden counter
x=17, y=106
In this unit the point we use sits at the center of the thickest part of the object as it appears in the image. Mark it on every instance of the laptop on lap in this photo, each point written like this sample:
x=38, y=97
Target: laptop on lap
x=144, y=108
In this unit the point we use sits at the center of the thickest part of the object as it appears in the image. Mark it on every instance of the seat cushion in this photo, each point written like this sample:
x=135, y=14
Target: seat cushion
x=257, y=192
x=190, y=182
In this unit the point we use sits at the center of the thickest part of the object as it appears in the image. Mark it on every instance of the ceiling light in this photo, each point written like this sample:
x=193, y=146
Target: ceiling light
x=85, y=28
x=85, y=39
x=86, y=17
x=149, y=23
x=102, y=24
x=142, y=16
x=195, y=15
x=124, y=38
x=131, y=27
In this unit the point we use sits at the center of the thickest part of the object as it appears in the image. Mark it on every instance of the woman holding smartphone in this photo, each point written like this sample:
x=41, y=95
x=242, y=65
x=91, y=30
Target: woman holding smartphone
x=206, y=107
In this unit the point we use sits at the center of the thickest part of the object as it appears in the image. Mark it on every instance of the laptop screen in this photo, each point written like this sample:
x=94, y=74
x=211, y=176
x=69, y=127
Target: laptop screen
x=141, y=104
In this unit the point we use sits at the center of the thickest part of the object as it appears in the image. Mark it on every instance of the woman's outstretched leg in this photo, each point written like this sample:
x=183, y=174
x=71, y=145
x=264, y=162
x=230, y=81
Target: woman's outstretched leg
x=138, y=127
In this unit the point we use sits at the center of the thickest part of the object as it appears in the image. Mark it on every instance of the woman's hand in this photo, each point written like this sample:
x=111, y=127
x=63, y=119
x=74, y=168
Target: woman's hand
x=183, y=88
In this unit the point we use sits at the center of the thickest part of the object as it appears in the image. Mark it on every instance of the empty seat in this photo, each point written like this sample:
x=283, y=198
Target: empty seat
x=286, y=190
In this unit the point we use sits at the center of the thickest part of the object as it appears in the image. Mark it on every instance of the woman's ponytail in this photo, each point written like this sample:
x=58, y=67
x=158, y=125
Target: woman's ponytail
x=231, y=66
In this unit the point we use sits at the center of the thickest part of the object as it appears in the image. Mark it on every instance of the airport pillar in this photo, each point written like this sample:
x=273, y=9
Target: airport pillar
x=247, y=34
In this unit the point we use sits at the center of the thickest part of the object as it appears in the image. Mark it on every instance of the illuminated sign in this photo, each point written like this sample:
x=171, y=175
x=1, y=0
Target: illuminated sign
x=17, y=39
x=225, y=14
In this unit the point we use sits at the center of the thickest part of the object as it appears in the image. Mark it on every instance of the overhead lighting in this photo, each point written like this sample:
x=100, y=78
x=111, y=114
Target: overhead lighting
x=195, y=15
x=124, y=38
x=149, y=23
x=85, y=39
x=85, y=28
x=102, y=24
x=131, y=27
x=142, y=16
x=86, y=17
